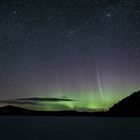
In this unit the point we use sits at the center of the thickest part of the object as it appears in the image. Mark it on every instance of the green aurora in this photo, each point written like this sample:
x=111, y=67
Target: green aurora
x=87, y=100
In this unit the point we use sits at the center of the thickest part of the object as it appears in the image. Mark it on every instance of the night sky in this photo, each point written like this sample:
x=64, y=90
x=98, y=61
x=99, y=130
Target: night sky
x=68, y=54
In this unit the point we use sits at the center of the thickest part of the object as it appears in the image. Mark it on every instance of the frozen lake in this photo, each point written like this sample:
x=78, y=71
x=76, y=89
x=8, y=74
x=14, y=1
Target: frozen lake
x=69, y=128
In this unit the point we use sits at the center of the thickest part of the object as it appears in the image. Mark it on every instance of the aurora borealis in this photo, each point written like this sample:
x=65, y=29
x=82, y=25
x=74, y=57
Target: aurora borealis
x=85, y=53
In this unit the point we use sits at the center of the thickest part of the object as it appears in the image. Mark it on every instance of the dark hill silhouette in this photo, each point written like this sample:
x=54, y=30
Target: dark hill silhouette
x=13, y=110
x=129, y=106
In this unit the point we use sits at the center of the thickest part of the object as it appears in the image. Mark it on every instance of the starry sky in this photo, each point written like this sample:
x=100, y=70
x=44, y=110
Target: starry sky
x=68, y=54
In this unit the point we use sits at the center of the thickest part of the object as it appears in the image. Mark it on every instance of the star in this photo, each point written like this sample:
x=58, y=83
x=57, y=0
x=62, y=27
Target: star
x=108, y=15
x=15, y=12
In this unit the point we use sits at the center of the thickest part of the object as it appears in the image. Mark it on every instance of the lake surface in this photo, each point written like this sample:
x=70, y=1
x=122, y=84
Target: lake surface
x=69, y=128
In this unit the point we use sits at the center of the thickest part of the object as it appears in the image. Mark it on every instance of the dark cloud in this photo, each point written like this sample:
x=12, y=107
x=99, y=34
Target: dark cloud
x=45, y=99
x=33, y=101
x=17, y=102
